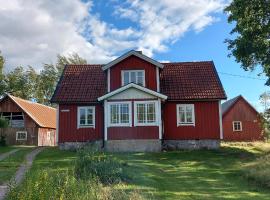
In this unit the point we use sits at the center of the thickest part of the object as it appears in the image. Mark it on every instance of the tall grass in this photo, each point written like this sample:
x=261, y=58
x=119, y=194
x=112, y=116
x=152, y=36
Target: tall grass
x=95, y=176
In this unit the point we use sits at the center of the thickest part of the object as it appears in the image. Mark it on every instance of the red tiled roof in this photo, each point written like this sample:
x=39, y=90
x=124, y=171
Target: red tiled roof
x=179, y=81
x=44, y=116
x=190, y=81
x=81, y=83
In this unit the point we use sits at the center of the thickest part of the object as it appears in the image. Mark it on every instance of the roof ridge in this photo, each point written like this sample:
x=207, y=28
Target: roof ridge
x=180, y=62
x=31, y=102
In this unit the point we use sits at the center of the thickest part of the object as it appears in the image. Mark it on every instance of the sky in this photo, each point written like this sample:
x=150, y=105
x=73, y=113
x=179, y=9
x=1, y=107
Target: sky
x=33, y=32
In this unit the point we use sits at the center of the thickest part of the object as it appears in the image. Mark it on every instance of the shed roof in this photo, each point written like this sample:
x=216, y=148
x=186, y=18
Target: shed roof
x=44, y=116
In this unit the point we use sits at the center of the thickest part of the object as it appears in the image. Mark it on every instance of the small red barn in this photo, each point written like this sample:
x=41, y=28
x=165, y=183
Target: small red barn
x=29, y=123
x=135, y=103
x=241, y=121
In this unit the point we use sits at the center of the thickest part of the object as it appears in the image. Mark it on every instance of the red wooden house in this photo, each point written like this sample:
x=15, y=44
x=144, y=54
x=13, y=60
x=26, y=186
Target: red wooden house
x=135, y=103
x=241, y=121
x=29, y=123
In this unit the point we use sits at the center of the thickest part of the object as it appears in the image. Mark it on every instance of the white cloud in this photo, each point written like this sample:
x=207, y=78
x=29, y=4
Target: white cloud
x=32, y=32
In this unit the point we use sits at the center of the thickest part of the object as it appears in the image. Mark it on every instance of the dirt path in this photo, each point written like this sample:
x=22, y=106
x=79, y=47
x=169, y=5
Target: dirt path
x=5, y=155
x=25, y=166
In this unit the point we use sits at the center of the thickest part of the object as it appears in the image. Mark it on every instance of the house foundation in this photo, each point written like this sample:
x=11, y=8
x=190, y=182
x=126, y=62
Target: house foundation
x=98, y=144
x=190, y=144
x=133, y=145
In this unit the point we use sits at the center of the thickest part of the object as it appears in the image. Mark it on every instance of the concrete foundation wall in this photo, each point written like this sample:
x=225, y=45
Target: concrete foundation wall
x=190, y=144
x=133, y=145
x=77, y=145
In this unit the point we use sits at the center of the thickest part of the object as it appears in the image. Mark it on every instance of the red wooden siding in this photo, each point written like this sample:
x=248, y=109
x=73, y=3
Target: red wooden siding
x=251, y=127
x=206, y=122
x=133, y=63
x=68, y=131
x=139, y=132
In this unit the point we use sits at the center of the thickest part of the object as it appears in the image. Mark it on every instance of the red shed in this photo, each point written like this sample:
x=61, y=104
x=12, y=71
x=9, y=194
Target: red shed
x=241, y=121
x=29, y=123
x=135, y=103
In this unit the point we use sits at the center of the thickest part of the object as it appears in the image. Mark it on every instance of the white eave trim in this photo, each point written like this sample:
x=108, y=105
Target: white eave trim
x=135, y=53
x=132, y=85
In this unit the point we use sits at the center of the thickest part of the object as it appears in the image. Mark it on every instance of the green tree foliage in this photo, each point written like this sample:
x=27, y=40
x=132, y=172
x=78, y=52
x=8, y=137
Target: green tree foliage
x=66, y=60
x=28, y=84
x=251, y=43
x=2, y=77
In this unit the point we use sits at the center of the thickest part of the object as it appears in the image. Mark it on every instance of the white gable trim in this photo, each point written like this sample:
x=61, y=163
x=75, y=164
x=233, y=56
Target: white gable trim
x=106, y=96
x=135, y=53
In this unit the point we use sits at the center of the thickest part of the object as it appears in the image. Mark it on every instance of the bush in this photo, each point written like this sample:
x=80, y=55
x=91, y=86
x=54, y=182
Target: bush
x=47, y=184
x=2, y=140
x=91, y=163
x=3, y=123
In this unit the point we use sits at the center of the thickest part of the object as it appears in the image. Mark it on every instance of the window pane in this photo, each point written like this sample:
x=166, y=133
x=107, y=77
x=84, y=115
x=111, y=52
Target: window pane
x=141, y=113
x=126, y=78
x=182, y=114
x=140, y=80
x=90, y=117
x=114, y=114
x=133, y=77
x=151, y=116
x=189, y=117
x=124, y=113
x=82, y=116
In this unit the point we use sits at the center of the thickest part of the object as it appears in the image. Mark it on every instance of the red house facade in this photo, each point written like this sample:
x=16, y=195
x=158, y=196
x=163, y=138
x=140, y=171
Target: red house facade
x=135, y=103
x=241, y=121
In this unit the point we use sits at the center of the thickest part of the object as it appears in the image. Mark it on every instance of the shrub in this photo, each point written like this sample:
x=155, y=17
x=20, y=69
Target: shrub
x=91, y=163
x=2, y=140
x=47, y=184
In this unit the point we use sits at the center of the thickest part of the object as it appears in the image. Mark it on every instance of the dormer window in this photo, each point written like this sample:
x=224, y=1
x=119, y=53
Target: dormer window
x=133, y=76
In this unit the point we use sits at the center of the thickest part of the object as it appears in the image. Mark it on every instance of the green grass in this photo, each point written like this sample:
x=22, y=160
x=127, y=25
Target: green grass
x=6, y=149
x=198, y=174
x=9, y=165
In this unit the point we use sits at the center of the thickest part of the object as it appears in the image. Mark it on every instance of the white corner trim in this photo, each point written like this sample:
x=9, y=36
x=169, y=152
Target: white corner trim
x=109, y=80
x=220, y=120
x=178, y=123
x=159, y=119
x=130, y=85
x=109, y=124
x=78, y=117
x=135, y=53
x=105, y=121
x=156, y=123
x=157, y=79
x=57, y=124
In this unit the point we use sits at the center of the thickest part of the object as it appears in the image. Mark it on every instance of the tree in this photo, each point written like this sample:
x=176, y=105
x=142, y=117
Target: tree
x=67, y=60
x=265, y=100
x=251, y=45
x=2, y=77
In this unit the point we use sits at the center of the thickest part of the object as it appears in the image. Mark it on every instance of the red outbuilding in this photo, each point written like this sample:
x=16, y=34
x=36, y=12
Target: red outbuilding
x=135, y=103
x=241, y=121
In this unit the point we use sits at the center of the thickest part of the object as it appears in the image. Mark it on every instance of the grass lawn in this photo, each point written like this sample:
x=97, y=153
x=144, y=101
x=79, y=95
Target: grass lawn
x=202, y=174
x=9, y=165
x=6, y=149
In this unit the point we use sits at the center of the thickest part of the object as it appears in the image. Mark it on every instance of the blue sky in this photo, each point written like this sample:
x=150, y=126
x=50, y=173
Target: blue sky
x=207, y=44
x=34, y=32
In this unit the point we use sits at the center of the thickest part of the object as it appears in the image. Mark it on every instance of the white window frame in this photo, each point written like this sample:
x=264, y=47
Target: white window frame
x=18, y=132
x=129, y=124
x=78, y=117
x=157, y=111
x=178, y=115
x=129, y=71
x=241, y=127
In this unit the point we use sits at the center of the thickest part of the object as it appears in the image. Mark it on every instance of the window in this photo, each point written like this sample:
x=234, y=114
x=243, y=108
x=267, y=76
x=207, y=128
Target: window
x=21, y=135
x=86, y=117
x=237, y=126
x=120, y=114
x=145, y=113
x=133, y=76
x=185, y=115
